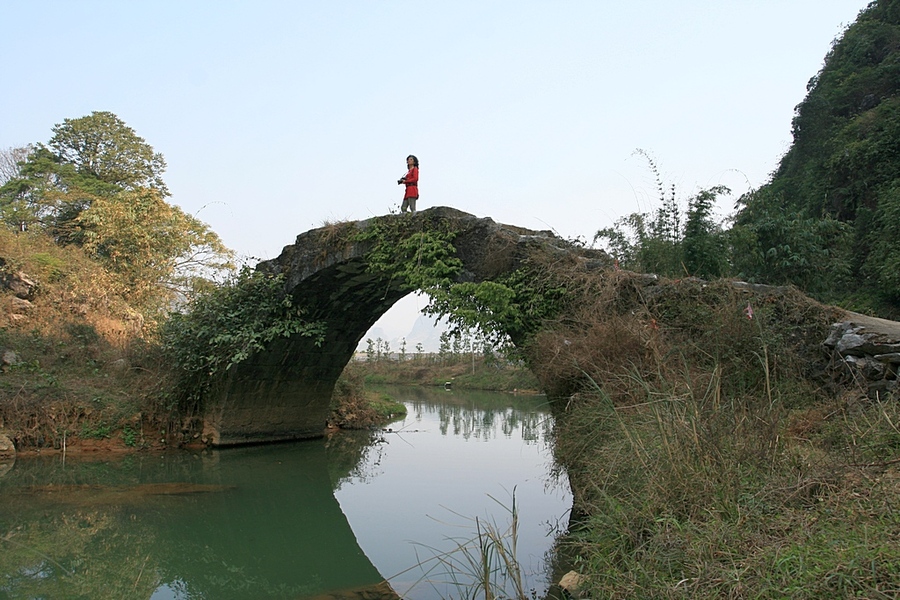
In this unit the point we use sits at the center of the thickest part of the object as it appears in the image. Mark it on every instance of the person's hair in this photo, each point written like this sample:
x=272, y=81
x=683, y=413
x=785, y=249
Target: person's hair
x=415, y=160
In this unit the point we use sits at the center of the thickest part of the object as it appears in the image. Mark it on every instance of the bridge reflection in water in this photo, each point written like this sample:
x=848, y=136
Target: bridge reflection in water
x=457, y=456
x=264, y=521
x=244, y=523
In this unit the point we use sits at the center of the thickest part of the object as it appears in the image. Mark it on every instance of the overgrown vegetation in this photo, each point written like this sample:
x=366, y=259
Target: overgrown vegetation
x=223, y=327
x=707, y=458
x=843, y=163
x=420, y=258
x=354, y=407
x=81, y=359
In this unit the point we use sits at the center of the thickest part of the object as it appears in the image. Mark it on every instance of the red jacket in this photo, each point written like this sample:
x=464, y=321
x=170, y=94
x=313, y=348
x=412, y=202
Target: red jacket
x=411, y=179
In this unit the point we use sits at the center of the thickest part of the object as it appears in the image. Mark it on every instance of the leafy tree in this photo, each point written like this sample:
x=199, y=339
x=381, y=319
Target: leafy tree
x=773, y=245
x=89, y=157
x=842, y=167
x=704, y=246
x=157, y=248
x=99, y=185
x=46, y=192
x=658, y=243
x=456, y=347
x=101, y=146
x=649, y=242
x=444, y=347
x=11, y=161
x=883, y=261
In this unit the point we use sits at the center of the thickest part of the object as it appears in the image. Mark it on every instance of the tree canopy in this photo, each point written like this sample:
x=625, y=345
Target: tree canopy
x=98, y=185
x=103, y=147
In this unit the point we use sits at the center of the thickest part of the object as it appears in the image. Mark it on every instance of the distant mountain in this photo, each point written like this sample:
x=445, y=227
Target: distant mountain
x=426, y=332
x=423, y=331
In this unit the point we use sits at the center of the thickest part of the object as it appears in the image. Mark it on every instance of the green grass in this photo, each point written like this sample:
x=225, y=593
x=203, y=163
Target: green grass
x=385, y=406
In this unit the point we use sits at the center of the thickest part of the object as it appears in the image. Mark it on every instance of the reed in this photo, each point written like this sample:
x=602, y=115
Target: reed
x=482, y=566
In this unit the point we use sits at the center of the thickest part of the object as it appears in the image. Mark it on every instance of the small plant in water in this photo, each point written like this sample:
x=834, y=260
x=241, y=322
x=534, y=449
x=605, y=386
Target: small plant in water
x=483, y=566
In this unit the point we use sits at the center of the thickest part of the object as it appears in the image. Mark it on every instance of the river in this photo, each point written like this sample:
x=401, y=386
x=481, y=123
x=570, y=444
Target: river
x=328, y=518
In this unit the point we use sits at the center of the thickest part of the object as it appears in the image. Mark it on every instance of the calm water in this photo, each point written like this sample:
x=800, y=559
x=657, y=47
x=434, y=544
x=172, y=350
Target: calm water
x=322, y=518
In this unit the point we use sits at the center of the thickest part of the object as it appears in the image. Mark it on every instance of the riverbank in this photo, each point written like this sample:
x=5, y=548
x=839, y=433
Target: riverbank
x=475, y=373
x=713, y=452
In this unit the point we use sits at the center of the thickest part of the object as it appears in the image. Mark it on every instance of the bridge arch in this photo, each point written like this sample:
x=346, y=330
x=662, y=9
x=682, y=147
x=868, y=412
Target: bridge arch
x=283, y=392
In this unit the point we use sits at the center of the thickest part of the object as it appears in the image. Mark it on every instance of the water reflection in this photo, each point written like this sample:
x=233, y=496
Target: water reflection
x=455, y=457
x=252, y=522
x=286, y=521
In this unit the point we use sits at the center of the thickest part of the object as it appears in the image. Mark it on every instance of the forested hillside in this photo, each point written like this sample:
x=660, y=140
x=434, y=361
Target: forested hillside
x=829, y=219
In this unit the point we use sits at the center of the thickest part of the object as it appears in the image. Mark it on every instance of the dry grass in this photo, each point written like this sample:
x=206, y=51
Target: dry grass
x=84, y=368
x=708, y=456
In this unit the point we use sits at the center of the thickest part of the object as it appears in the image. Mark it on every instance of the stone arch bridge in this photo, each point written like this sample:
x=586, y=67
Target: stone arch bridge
x=284, y=391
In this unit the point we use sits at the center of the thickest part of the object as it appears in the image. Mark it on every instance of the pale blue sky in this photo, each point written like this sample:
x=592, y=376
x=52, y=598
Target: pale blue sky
x=276, y=116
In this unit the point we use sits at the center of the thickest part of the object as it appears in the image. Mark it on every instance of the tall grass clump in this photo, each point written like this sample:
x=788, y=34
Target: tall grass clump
x=483, y=566
x=707, y=460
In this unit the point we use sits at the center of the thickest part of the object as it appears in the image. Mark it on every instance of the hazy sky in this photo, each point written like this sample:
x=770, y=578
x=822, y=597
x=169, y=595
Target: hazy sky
x=276, y=117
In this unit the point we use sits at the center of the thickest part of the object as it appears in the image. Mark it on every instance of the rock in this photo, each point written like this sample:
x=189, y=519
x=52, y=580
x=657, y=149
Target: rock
x=8, y=358
x=869, y=348
x=20, y=305
x=19, y=284
x=571, y=584
x=892, y=358
x=119, y=365
x=7, y=454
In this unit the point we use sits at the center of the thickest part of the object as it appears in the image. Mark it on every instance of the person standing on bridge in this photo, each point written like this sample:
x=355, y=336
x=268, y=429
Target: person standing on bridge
x=411, y=180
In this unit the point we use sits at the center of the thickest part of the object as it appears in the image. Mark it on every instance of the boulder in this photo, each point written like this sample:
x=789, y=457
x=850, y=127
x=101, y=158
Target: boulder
x=20, y=305
x=7, y=454
x=8, y=358
x=571, y=584
x=20, y=284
